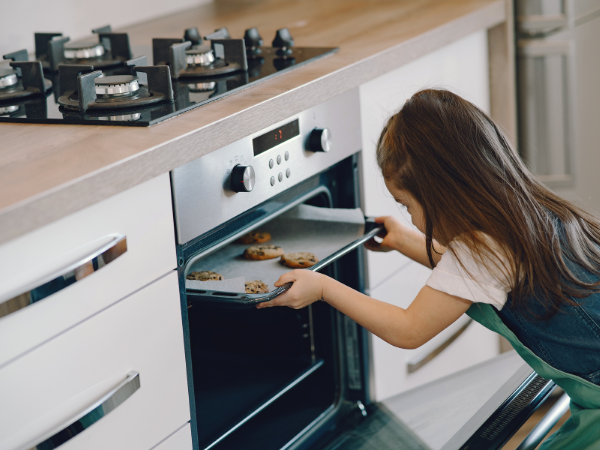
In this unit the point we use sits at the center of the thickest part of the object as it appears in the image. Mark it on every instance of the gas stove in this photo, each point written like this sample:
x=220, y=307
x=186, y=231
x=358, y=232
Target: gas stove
x=97, y=81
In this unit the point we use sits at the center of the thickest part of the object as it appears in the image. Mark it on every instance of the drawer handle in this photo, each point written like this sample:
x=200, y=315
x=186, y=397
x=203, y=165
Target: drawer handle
x=417, y=363
x=88, y=417
x=65, y=276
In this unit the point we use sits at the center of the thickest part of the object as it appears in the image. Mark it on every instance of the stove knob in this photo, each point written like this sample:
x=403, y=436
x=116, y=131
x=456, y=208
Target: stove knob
x=319, y=140
x=252, y=38
x=193, y=35
x=283, y=38
x=242, y=178
x=283, y=42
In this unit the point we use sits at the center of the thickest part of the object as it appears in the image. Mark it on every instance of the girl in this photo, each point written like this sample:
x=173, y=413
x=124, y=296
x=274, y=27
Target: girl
x=503, y=248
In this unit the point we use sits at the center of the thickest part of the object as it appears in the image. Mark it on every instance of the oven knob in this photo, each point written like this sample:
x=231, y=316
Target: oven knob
x=242, y=178
x=319, y=140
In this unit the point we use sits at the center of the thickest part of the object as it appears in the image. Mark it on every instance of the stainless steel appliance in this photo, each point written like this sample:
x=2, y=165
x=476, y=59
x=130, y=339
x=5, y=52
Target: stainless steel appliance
x=558, y=94
x=97, y=81
x=283, y=378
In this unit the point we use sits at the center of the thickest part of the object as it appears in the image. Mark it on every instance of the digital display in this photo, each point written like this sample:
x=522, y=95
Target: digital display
x=275, y=137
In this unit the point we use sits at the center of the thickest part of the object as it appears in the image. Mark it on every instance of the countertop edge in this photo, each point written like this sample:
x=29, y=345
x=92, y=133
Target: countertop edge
x=54, y=204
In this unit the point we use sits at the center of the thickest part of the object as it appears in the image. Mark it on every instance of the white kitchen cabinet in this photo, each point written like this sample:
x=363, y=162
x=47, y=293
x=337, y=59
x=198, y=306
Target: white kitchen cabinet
x=461, y=67
x=391, y=375
x=53, y=384
x=142, y=215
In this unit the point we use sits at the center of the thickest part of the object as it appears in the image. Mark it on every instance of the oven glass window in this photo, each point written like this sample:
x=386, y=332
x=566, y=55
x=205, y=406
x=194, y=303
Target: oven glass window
x=275, y=137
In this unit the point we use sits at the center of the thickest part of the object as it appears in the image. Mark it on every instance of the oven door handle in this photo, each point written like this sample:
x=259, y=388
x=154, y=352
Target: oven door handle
x=245, y=301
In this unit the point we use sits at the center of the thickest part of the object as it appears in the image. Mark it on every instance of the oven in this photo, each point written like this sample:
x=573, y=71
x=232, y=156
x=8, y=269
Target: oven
x=280, y=378
x=273, y=378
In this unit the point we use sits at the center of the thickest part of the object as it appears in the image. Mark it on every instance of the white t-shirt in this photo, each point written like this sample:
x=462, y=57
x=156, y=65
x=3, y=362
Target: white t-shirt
x=477, y=283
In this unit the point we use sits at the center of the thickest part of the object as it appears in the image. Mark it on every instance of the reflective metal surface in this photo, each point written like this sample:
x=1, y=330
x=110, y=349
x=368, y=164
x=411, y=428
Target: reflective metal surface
x=46, y=286
x=84, y=53
x=8, y=109
x=116, y=86
x=189, y=93
x=88, y=417
x=122, y=117
x=199, y=59
x=551, y=418
x=8, y=80
x=210, y=174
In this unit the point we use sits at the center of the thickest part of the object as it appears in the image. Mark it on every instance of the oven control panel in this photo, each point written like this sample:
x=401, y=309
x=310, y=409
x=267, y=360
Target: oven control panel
x=223, y=184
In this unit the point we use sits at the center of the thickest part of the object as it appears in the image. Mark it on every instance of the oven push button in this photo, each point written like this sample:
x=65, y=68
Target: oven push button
x=242, y=178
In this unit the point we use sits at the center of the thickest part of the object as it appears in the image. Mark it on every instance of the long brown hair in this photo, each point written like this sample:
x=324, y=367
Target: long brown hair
x=452, y=158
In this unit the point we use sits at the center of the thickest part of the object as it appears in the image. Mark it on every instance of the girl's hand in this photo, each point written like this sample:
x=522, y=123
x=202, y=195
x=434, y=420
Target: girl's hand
x=307, y=289
x=394, y=235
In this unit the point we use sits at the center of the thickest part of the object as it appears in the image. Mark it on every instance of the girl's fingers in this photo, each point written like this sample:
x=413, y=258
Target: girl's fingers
x=285, y=278
x=372, y=245
x=380, y=219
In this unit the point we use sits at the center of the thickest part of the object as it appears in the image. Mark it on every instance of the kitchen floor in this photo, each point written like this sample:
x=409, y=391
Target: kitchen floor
x=532, y=422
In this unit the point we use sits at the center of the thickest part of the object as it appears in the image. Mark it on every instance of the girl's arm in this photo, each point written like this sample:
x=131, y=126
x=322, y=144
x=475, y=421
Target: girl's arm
x=431, y=312
x=406, y=240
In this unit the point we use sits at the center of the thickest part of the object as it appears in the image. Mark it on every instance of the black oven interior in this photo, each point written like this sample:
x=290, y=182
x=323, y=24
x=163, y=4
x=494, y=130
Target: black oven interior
x=278, y=377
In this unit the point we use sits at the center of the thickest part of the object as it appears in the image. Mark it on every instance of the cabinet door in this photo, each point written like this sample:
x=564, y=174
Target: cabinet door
x=71, y=269
x=394, y=370
x=461, y=67
x=115, y=381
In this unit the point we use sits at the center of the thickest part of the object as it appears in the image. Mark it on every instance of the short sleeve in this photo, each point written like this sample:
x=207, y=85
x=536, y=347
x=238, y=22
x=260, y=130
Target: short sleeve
x=476, y=283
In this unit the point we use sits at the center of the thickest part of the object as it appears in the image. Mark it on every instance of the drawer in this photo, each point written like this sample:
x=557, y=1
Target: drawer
x=142, y=216
x=391, y=364
x=51, y=386
x=180, y=440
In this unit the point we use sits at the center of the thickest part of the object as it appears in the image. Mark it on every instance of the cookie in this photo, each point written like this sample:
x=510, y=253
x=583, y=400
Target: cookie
x=255, y=237
x=204, y=275
x=261, y=252
x=256, y=287
x=299, y=260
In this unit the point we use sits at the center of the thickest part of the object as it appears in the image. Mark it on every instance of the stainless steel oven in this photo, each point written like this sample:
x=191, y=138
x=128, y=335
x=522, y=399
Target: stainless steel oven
x=277, y=378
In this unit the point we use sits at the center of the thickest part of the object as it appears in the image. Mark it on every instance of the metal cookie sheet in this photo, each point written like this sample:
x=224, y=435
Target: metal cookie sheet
x=322, y=231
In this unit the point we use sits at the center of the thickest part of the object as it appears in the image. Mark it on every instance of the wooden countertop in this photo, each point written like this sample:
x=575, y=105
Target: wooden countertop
x=50, y=171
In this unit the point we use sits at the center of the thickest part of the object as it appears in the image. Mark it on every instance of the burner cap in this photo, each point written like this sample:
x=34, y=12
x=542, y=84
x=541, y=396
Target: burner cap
x=202, y=87
x=83, y=49
x=199, y=56
x=122, y=117
x=8, y=77
x=116, y=86
x=5, y=110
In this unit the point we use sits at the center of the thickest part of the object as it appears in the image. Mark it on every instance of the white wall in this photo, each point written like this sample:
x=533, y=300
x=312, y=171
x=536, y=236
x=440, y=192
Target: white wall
x=20, y=19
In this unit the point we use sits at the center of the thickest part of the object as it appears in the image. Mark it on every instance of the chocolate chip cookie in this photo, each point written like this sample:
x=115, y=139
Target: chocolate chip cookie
x=261, y=252
x=255, y=237
x=204, y=275
x=299, y=260
x=256, y=287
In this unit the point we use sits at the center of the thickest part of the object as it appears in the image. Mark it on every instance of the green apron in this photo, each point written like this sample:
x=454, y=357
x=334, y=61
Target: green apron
x=582, y=430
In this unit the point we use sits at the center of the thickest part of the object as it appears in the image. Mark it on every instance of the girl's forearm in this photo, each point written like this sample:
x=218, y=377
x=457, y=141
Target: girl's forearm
x=414, y=247
x=389, y=322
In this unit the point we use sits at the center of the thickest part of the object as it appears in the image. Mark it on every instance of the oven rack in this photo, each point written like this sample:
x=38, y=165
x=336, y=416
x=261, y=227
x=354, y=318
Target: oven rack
x=257, y=407
x=245, y=301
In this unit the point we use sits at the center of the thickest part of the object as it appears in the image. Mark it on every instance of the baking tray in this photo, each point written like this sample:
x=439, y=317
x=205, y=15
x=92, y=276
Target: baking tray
x=327, y=232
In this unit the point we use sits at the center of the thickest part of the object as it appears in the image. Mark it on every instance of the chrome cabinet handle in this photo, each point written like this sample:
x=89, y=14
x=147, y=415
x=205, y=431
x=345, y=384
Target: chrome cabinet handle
x=551, y=418
x=63, y=277
x=88, y=417
x=418, y=362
